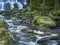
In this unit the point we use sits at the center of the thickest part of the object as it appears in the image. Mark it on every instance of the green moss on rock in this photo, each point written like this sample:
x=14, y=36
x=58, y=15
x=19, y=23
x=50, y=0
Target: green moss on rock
x=43, y=21
x=6, y=38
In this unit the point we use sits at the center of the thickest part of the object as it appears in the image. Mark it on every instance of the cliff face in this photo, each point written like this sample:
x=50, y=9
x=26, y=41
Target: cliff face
x=10, y=4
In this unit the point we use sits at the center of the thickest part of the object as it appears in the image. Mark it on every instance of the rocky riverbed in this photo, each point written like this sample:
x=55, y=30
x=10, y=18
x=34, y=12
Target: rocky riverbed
x=26, y=36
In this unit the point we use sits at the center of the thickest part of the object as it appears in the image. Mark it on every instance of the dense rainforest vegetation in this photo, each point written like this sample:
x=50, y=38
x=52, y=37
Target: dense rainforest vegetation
x=43, y=14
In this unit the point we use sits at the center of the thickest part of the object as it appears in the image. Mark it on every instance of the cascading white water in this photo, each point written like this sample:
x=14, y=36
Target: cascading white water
x=0, y=6
x=25, y=2
x=20, y=5
x=5, y=6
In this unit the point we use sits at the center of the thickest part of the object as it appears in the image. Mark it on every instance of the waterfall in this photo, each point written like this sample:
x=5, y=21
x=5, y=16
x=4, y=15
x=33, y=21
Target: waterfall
x=25, y=2
x=2, y=6
x=5, y=6
x=20, y=6
x=12, y=5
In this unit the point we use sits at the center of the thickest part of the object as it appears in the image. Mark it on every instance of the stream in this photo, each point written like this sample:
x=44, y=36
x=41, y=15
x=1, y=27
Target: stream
x=22, y=36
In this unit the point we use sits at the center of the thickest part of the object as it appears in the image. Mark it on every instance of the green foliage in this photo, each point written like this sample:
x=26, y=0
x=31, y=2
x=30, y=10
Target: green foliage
x=15, y=12
x=5, y=25
x=1, y=23
x=43, y=21
x=6, y=38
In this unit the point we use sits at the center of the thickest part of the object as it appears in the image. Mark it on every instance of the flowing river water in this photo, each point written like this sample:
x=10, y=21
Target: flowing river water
x=24, y=38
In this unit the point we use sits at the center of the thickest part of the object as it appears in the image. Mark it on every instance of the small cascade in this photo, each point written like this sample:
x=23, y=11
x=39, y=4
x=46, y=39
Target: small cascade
x=12, y=5
x=20, y=5
x=2, y=6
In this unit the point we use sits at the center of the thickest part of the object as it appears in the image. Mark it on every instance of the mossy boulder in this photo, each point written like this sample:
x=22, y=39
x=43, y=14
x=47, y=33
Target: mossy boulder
x=43, y=21
x=6, y=38
x=1, y=23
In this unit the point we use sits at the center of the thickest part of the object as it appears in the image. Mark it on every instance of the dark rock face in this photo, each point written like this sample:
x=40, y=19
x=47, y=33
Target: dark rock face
x=33, y=39
x=20, y=1
x=7, y=6
x=52, y=41
x=27, y=21
x=15, y=5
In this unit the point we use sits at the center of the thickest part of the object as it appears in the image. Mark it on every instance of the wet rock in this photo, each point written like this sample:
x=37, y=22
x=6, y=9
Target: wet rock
x=51, y=41
x=33, y=38
x=58, y=42
x=55, y=38
x=27, y=31
x=48, y=42
x=26, y=21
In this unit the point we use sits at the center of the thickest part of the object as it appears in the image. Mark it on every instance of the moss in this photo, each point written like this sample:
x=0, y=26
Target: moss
x=6, y=38
x=43, y=21
x=1, y=23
